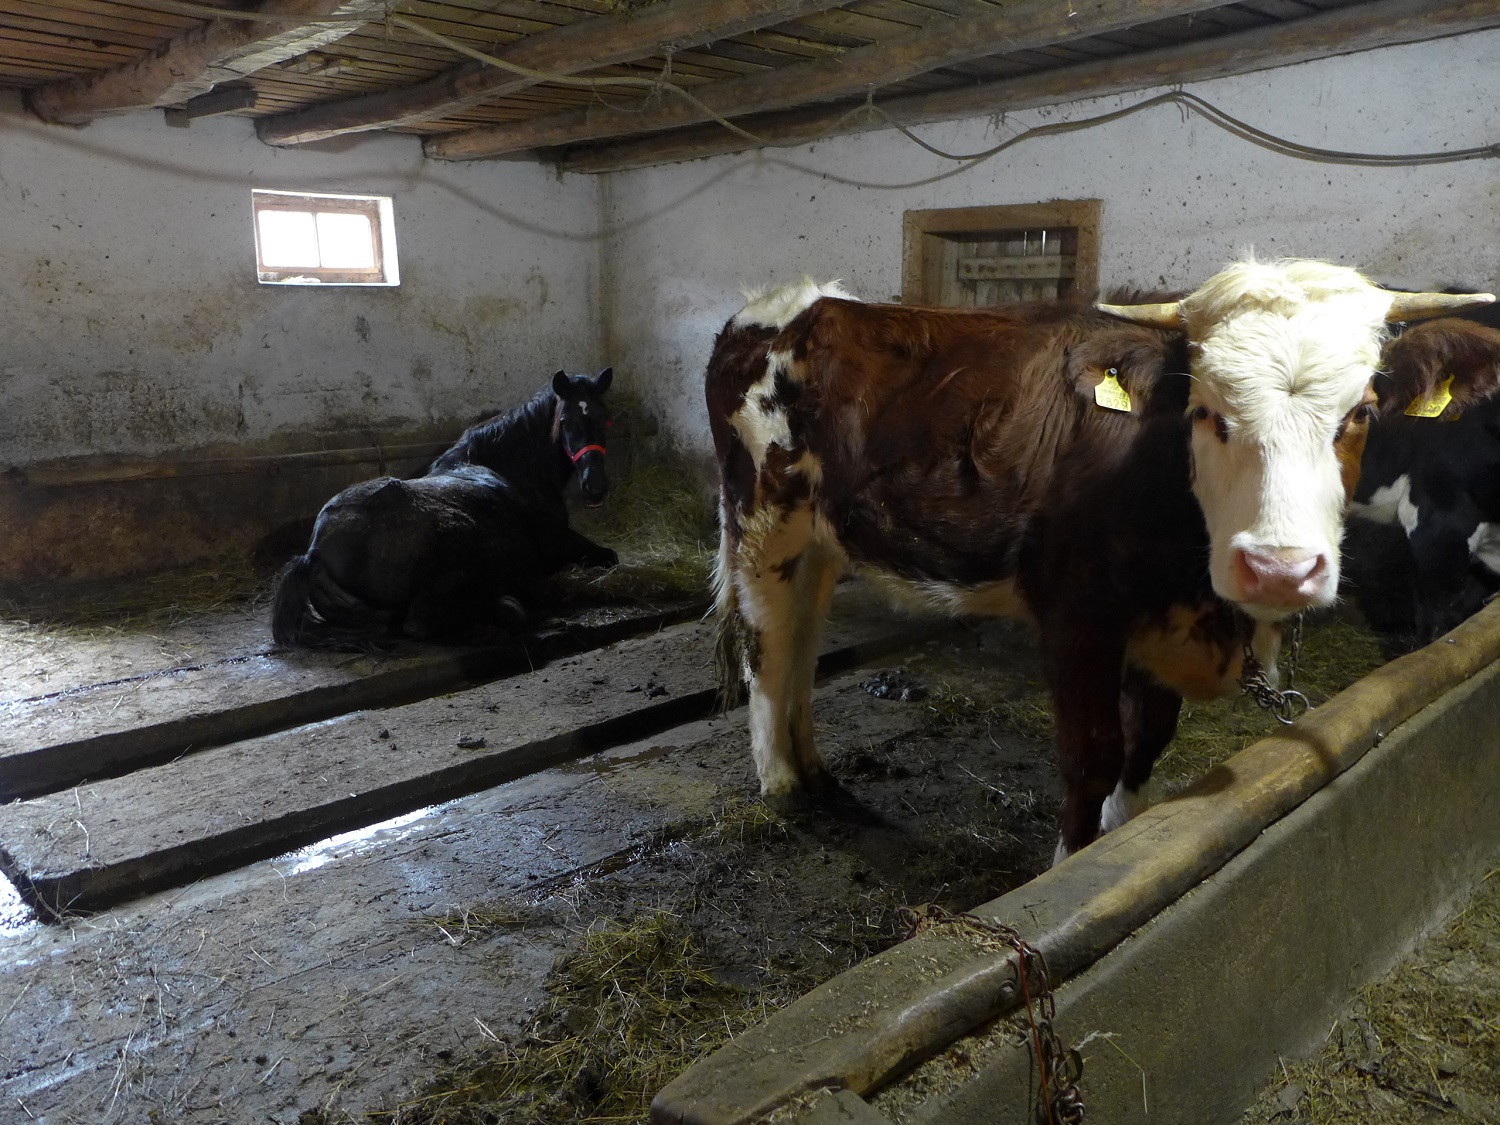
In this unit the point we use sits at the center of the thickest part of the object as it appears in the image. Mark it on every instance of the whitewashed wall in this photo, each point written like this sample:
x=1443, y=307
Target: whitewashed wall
x=1180, y=198
x=131, y=321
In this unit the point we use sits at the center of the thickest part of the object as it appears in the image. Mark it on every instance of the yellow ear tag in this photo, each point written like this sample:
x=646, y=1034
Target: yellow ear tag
x=1109, y=394
x=1434, y=404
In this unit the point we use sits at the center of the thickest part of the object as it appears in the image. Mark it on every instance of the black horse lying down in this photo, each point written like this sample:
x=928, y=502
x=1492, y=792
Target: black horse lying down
x=442, y=557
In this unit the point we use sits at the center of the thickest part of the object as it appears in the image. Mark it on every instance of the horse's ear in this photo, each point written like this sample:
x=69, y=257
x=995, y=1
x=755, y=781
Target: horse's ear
x=562, y=386
x=601, y=380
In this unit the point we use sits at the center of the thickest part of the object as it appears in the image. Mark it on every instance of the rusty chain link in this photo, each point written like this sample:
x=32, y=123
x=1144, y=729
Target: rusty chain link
x=1059, y=1068
x=1285, y=704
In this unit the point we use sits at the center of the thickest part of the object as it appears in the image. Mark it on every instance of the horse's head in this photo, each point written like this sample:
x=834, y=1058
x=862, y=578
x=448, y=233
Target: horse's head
x=580, y=426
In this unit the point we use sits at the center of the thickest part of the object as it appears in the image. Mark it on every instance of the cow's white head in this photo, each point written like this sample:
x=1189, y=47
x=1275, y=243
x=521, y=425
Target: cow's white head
x=1283, y=355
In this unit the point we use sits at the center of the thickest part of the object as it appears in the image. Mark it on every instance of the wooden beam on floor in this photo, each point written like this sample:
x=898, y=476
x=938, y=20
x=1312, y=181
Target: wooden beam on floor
x=89, y=731
x=1025, y=25
x=218, y=50
x=602, y=41
x=221, y=807
x=1383, y=23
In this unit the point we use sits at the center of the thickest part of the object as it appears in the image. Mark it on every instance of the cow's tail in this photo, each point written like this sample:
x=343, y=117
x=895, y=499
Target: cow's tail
x=729, y=626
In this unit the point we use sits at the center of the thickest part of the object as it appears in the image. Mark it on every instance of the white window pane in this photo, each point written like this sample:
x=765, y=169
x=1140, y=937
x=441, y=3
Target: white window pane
x=288, y=238
x=346, y=240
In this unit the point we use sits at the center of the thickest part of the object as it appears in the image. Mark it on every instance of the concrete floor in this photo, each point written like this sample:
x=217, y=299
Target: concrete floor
x=320, y=979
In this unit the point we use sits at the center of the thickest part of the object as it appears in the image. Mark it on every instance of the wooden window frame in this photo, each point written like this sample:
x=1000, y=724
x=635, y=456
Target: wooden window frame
x=920, y=227
x=376, y=208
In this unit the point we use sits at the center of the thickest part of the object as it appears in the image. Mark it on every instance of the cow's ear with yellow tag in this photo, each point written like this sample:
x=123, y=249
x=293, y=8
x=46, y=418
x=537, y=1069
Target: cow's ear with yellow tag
x=1433, y=405
x=1109, y=394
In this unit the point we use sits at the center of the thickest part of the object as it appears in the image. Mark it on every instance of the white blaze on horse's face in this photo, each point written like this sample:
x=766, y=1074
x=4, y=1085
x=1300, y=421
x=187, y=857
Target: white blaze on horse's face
x=1282, y=355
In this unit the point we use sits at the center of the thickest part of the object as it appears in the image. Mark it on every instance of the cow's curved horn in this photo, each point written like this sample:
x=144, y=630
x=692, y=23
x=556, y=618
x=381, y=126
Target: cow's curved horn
x=1164, y=315
x=1420, y=306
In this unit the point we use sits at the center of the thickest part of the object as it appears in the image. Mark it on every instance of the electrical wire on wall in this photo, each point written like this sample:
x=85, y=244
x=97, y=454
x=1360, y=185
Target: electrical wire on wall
x=870, y=111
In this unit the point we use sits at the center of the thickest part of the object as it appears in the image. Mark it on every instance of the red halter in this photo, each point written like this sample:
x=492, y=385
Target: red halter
x=586, y=449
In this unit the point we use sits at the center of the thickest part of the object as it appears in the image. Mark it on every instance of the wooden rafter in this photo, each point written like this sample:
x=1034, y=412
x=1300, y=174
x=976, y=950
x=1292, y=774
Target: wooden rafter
x=1024, y=25
x=1382, y=23
x=215, y=51
x=602, y=41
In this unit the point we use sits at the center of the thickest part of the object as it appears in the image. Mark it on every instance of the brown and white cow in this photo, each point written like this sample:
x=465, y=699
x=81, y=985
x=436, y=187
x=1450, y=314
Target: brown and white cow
x=963, y=459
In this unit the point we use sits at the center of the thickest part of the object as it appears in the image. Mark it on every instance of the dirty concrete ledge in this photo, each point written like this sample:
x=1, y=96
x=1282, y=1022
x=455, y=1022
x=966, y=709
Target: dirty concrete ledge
x=1239, y=953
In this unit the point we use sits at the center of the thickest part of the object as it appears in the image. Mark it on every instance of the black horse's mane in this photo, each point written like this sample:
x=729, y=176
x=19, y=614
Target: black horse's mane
x=515, y=443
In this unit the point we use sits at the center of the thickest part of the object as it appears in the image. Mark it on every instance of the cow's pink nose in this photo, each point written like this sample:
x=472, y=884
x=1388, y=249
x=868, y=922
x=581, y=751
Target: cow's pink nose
x=1279, y=575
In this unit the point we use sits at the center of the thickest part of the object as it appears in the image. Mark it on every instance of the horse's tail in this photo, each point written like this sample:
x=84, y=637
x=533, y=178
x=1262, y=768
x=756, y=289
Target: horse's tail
x=730, y=641
x=292, y=619
x=311, y=610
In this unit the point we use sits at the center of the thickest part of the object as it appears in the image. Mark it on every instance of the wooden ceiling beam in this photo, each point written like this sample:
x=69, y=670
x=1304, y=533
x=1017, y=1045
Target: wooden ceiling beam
x=215, y=51
x=1022, y=25
x=1382, y=23
x=590, y=43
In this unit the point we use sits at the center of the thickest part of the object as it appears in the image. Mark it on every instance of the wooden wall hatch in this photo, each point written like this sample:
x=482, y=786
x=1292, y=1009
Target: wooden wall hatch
x=977, y=256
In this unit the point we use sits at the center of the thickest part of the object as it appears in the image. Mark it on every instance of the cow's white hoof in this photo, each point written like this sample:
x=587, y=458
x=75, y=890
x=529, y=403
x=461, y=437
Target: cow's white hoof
x=1120, y=806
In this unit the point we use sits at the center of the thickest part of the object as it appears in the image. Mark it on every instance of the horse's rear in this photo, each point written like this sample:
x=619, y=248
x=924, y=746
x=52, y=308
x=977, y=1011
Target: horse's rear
x=420, y=558
x=340, y=592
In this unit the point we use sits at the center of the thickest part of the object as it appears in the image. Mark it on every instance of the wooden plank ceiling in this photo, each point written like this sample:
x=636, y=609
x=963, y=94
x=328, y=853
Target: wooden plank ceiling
x=598, y=85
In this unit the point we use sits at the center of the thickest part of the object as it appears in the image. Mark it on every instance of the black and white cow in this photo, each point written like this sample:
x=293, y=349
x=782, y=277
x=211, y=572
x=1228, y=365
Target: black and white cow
x=1434, y=470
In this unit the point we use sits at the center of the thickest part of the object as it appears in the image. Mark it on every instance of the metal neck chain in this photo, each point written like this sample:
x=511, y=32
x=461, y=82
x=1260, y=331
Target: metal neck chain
x=1285, y=704
x=1059, y=1068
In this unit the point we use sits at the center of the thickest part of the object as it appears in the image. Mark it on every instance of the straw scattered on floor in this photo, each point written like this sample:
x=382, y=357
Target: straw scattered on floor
x=1422, y=1044
x=142, y=604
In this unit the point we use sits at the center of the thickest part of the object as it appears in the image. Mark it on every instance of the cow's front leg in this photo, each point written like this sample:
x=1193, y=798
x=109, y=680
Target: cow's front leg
x=1148, y=719
x=817, y=572
x=1084, y=673
x=777, y=599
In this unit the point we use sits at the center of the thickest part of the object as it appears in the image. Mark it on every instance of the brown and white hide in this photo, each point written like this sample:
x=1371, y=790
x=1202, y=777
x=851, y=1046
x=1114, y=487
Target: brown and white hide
x=961, y=458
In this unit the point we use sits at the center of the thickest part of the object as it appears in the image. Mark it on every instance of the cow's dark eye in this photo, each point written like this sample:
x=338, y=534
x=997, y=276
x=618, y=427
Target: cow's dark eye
x=1359, y=416
x=1201, y=413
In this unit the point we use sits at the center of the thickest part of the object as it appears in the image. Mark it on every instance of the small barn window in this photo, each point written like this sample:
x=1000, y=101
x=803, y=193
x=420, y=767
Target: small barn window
x=978, y=256
x=303, y=239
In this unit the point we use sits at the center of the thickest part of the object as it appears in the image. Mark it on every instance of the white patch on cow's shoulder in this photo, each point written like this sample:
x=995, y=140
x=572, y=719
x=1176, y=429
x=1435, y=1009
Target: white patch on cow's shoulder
x=1484, y=546
x=1392, y=504
x=1120, y=806
x=1385, y=502
x=988, y=599
x=760, y=424
x=776, y=308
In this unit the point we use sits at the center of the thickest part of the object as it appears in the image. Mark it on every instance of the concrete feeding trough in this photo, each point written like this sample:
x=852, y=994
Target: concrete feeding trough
x=1215, y=933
